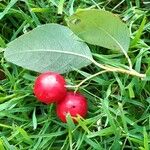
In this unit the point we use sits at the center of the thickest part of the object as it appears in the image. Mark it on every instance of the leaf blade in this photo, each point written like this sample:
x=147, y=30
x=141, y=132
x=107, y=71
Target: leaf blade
x=49, y=47
x=100, y=28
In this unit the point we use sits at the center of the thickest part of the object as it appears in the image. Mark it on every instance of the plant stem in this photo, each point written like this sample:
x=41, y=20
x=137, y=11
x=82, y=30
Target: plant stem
x=121, y=70
x=107, y=68
x=127, y=57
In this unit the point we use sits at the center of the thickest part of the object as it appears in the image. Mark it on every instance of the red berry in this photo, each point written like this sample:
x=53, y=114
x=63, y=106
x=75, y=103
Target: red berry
x=74, y=103
x=50, y=87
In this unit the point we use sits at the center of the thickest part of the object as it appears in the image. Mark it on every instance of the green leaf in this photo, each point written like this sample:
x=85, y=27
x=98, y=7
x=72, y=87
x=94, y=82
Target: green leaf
x=60, y=6
x=104, y=132
x=1, y=145
x=93, y=143
x=139, y=32
x=24, y=134
x=49, y=47
x=2, y=44
x=102, y=28
x=34, y=119
x=9, y=6
x=146, y=141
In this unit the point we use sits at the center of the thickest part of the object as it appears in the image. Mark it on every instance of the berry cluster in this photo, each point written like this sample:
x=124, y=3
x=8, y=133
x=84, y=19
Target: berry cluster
x=50, y=87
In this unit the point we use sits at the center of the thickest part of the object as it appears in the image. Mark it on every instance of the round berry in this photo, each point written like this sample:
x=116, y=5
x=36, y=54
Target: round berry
x=50, y=87
x=74, y=104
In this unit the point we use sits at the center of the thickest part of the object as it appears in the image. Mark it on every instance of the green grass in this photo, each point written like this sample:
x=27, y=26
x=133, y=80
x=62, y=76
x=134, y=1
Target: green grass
x=119, y=105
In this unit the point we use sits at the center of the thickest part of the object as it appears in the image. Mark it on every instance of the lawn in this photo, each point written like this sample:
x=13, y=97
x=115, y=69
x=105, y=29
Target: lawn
x=118, y=115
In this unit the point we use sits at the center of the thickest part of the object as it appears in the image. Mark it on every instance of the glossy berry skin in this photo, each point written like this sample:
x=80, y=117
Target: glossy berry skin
x=50, y=87
x=74, y=103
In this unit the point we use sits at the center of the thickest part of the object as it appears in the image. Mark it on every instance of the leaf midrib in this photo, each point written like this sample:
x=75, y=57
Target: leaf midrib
x=54, y=51
x=114, y=39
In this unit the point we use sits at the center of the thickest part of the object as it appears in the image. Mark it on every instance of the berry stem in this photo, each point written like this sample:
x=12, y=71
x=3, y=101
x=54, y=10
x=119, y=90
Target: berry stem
x=90, y=77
